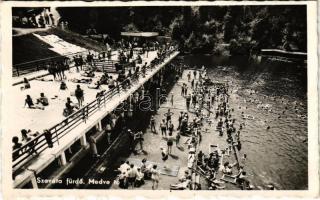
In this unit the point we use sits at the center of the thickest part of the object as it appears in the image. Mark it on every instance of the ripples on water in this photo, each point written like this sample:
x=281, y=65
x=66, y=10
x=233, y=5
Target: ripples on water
x=278, y=155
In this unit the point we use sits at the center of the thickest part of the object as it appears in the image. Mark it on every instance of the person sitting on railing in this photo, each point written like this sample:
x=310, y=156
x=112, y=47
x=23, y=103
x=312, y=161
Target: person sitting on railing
x=25, y=134
x=48, y=137
x=43, y=100
x=16, y=145
x=27, y=138
x=29, y=102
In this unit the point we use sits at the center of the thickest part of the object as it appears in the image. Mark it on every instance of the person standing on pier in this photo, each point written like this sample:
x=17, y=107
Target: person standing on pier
x=171, y=99
x=189, y=76
x=93, y=146
x=108, y=131
x=163, y=128
x=138, y=137
x=182, y=90
x=170, y=143
x=153, y=124
x=185, y=90
x=132, y=175
x=79, y=95
x=194, y=99
x=180, y=119
x=131, y=139
x=155, y=177
x=168, y=116
x=170, y=127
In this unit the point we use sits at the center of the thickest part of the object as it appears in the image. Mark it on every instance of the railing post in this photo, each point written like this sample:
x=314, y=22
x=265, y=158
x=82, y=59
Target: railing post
x=84, y=114
x=18, y=71
x=83, y=141
x=55, y=130
x=34, y=182
x=63, y=160
x=157, y=98
x=99, y=126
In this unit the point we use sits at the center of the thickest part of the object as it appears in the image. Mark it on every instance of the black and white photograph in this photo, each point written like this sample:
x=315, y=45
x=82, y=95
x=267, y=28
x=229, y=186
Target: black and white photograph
x=161, y=97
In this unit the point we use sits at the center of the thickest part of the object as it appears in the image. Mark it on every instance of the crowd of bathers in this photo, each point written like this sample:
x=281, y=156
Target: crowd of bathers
x=208, y=104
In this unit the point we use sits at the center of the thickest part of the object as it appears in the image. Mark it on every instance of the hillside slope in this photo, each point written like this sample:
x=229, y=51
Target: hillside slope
x=28, y=48
x=75, y=38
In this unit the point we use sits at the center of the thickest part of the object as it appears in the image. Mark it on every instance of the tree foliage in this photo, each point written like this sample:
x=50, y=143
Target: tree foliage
x=246, y=29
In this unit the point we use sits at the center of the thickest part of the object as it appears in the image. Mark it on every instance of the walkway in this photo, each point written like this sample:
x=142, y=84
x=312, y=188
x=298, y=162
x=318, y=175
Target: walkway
x=38, y=120
x=50, y=154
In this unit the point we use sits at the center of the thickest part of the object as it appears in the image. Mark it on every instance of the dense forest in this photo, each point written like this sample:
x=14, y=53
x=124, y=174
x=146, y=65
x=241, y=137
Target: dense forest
x=206, y=29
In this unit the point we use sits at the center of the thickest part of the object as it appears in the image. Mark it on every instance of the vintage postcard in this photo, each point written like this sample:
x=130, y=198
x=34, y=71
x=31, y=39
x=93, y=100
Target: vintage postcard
x=159, y=98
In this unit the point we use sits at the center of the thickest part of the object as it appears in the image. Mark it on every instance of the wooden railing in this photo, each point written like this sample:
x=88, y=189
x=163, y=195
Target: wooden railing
x=42, y=64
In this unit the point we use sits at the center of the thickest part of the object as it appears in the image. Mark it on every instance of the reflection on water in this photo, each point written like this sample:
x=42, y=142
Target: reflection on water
x=275, y=94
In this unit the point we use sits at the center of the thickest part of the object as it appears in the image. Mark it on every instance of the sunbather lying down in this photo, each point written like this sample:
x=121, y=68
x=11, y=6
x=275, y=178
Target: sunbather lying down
x=88, y=74
x=214, y=185
x=82, y=80
x=182, y=185
x=44, y=79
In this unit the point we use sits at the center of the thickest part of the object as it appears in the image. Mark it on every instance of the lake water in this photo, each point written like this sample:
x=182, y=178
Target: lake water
x=277, y=155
